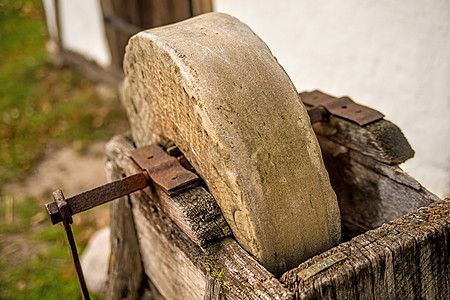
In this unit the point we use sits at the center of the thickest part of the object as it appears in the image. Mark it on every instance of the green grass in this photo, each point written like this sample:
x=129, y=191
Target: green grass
x=44, y=269
x=48, y=275
x=40, y=105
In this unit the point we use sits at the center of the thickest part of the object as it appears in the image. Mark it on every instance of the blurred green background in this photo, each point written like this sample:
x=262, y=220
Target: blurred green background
x=40, y=106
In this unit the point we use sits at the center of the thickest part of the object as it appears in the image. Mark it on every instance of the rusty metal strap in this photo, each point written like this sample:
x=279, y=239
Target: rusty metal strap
x=343, y=107
x=164, y=170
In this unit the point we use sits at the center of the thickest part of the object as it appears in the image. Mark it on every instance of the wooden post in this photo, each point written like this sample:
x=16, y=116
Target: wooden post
x=123, y=19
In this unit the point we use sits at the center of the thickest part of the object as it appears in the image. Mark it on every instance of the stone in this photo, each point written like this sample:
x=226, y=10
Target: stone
x=212, y=87
x=95, y=261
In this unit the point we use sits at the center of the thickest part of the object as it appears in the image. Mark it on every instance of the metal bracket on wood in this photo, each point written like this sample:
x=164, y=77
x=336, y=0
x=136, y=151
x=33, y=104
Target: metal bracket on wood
x=320, y=106
x=165, y=170
x=159, y=168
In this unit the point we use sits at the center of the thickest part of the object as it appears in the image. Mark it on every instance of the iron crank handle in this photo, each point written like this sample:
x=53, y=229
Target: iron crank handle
x=159, y=168
x=99, y=195
x=61, y=210
x=67, y=220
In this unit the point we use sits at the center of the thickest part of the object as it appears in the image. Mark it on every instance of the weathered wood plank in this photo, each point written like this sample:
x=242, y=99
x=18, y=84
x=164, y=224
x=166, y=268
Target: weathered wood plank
x=199, y=7
x=117, y=39
x=370, y=192
x=250, y=140
x=179, y=268
x=171, y=260
x=156, y=13
x=125, y=18
x=185, y=274
x=380, y=140
x=125, y=274
x=407, y=258
x=195, y=211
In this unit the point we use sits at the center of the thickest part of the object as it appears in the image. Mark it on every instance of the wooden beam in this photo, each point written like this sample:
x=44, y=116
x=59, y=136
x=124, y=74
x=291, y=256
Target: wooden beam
x=380, y=140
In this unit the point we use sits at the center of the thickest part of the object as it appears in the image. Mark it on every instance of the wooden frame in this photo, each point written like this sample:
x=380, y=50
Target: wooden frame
x=405, y=257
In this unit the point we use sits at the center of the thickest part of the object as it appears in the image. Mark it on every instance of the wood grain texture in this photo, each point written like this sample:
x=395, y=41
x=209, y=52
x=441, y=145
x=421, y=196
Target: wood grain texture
x=180, y=269
x=213, y=88
x=194, y=211
x=197, y=214
x=141, y=14
x=199, y=7
x=126, y=273
x=407, y=258
x=380, y=140
x=370, y=192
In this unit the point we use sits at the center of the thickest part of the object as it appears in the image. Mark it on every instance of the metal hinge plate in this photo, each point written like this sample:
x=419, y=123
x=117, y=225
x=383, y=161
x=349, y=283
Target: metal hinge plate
x=343, y=107
x=164, y=170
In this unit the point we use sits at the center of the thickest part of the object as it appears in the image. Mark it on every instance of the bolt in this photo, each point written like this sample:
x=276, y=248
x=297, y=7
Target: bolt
x=174, y=177
x=150, y=156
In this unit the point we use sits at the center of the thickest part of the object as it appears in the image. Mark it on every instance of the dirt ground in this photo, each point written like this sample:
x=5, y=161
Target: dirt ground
x=72, y=172
x=65, y=169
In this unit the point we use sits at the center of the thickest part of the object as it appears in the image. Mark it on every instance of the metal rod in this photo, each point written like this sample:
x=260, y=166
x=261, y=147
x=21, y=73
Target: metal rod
x=108, y=192
x=76, y=261
x=100, y=195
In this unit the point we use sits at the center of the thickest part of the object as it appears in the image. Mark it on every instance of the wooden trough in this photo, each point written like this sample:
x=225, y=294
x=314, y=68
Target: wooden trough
x=395, y=233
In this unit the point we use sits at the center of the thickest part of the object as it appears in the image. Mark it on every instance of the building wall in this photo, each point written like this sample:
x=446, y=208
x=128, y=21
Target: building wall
x=391, y=55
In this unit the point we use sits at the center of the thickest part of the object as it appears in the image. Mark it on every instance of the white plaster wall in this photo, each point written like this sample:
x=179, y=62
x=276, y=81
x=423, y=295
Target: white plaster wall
x=82, y=29
x=391, y=55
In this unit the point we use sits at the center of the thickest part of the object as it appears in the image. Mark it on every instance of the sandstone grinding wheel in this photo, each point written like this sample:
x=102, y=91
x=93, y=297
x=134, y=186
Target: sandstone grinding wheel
x=212, y=87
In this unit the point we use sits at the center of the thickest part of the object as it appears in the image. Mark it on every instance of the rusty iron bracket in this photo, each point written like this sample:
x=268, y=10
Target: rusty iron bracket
x=159, y=168
x=320, y=106
x=166, y=171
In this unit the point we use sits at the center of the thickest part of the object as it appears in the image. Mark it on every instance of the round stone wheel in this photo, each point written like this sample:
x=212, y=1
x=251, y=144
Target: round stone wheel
x=212, y=87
